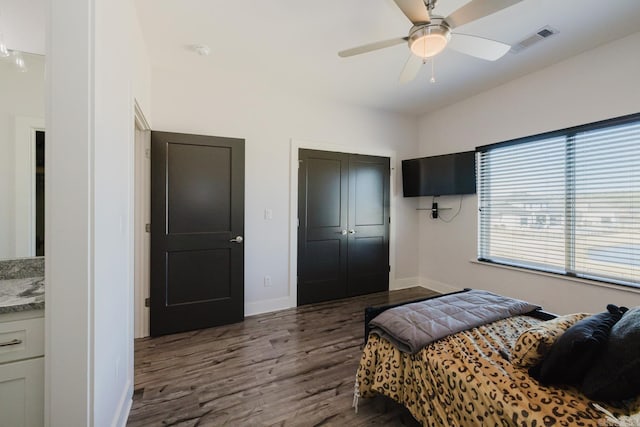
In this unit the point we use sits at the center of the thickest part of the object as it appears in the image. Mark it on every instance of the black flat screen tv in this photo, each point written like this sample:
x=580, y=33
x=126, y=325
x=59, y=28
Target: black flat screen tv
x=440, y=175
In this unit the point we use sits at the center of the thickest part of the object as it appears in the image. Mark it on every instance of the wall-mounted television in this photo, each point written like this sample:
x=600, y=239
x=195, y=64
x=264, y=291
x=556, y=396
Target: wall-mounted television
x=440, y=175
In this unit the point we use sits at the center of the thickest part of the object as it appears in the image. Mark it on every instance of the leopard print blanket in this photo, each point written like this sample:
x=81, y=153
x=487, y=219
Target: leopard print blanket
x=466, y=380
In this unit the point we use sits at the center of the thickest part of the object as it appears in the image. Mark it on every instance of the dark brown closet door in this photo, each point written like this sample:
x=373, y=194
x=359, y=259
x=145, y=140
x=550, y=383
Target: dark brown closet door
x=343, y=233
x=322, y=232
x=197, y=224
x=368, y=259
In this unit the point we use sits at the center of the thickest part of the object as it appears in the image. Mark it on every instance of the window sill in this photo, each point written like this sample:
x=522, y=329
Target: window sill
x=560, y=277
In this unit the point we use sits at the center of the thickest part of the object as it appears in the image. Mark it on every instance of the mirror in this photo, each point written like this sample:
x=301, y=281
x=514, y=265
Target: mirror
x=22, y=139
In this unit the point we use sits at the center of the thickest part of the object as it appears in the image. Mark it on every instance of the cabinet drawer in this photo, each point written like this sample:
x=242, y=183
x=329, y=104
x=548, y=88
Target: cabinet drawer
x=21, y=339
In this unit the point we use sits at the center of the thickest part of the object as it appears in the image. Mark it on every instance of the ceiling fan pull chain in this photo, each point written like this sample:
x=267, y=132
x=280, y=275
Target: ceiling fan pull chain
x=433, y=72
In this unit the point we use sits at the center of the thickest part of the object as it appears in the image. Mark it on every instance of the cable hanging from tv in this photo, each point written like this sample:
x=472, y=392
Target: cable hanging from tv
x=435, y=210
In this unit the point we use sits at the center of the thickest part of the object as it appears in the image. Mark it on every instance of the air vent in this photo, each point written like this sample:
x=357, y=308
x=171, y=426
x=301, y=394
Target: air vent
x=529, y=41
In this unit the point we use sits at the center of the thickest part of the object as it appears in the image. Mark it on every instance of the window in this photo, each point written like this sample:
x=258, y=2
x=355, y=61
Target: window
x=565, y=202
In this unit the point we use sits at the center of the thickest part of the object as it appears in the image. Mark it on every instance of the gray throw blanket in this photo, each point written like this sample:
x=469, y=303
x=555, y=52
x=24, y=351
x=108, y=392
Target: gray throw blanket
x=411, y=327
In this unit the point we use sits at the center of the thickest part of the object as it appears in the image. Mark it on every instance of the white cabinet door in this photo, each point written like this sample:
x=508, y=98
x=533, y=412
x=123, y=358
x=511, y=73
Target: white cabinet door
x=22, y=393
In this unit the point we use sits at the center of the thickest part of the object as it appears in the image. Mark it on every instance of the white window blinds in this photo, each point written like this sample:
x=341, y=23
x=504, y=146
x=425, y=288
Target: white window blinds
x=565, y=202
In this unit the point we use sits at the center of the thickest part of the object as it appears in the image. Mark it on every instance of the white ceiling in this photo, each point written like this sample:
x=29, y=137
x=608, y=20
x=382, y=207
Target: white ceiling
x=293, y=44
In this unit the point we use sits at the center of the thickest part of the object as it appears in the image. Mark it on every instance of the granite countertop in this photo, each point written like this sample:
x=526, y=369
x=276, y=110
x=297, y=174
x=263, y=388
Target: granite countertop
x=21, y=294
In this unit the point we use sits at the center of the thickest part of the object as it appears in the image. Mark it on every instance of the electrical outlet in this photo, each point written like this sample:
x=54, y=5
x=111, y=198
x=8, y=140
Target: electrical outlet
x=267, y=281
x=117, y=368
x=268, y=213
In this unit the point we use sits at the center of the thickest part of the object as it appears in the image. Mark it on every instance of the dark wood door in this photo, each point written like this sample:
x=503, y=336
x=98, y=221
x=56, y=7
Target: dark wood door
x=368, y=261
x=323, y=196
x=197, y=214
x=343, y=233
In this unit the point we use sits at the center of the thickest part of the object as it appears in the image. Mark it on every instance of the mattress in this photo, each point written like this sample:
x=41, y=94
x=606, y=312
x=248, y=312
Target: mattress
x=466, y=379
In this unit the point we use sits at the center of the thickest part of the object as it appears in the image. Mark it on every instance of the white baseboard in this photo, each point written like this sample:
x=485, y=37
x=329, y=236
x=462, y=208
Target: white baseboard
x=267, y=306
x=404, y=283
x=124, y=406
x=438, y=286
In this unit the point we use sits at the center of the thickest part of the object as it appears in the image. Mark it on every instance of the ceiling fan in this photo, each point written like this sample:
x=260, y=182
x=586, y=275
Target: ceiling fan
x=431, y=33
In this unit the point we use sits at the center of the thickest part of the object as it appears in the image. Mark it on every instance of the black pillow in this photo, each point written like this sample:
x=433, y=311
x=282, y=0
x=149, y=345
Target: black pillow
x=572, y=355
x=616, y=375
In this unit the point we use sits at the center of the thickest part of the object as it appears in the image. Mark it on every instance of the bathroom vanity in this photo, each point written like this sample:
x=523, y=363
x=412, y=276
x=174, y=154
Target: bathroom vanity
x=21, y=344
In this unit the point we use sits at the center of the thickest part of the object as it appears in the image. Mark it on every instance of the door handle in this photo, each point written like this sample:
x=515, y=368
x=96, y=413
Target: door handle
x=12, y=342
x=343, y=232
x=237, y=239
x=352, y=231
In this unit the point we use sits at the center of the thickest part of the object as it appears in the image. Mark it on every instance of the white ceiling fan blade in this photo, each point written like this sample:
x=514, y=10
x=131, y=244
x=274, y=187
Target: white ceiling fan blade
x=477, y=9
x=371, y=47
x=415, y=10
x=411, y=69
x=447, y=7
x=478, y=46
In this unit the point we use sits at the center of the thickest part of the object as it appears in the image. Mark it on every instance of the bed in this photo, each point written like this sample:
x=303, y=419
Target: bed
x=466, y=379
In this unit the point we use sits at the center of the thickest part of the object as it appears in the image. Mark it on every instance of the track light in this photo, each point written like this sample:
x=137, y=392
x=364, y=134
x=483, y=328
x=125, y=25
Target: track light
x=4, y=51
x=18, y=60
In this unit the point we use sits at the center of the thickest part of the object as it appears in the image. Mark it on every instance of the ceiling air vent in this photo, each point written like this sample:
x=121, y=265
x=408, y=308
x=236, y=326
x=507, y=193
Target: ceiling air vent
x=527, y=42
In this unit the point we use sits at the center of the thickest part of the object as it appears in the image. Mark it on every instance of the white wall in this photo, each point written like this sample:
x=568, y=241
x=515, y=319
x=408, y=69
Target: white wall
x=113, y=209
x=596, y=85
x=21, y=94
x=141, y=68
x=268, y=118
x=89, y=242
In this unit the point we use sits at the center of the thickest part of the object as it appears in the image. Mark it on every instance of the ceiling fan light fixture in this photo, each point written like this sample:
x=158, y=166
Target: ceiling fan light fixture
x=429, y=40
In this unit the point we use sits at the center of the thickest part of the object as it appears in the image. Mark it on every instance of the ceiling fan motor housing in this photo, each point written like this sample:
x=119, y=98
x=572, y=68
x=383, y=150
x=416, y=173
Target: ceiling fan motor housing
x=430, y=39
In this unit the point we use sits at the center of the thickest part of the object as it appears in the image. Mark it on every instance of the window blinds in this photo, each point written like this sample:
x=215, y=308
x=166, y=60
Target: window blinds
x=566, y=202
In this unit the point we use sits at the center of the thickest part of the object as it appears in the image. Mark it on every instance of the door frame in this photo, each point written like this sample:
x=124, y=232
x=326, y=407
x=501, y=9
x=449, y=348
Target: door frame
x=142, y=212
x=295, y=146
x=25, y=184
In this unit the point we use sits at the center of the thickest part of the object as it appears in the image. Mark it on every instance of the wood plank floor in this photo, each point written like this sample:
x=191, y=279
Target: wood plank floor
x=291, y=367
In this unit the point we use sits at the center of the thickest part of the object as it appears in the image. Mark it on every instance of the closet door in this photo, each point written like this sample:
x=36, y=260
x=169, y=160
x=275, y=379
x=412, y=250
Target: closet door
x=368, y=213
x=323, y=189
x=343, y=233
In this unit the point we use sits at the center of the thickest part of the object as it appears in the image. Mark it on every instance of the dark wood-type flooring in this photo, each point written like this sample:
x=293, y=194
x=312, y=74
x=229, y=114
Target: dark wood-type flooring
x=291, y=367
